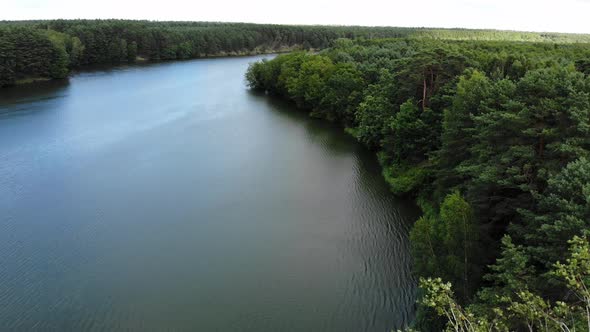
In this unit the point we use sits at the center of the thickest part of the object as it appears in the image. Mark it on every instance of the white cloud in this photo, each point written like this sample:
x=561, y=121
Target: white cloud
x=530, y=15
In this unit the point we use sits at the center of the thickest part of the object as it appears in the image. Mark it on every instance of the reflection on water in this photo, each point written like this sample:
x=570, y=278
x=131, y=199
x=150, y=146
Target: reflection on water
x=31, y=97
x=169, y=197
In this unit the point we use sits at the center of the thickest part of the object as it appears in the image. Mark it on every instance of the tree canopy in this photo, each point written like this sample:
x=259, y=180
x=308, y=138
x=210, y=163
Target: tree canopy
x=51, y=48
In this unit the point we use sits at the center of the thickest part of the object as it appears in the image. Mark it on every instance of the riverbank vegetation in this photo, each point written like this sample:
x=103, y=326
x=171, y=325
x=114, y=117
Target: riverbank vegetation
x=50, y=49
x=492, y=139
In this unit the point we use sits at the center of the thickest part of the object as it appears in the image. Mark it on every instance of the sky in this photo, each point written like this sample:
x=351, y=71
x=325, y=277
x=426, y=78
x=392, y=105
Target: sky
x=528, y=15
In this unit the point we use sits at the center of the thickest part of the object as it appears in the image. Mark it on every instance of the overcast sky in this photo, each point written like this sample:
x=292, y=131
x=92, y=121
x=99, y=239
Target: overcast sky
x=530, y=15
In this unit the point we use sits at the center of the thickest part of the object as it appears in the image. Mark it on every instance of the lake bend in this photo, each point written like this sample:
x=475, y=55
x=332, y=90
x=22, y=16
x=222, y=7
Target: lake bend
x=170, y=197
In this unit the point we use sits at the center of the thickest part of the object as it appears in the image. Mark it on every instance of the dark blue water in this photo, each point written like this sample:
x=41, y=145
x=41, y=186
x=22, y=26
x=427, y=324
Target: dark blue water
x=170, y=197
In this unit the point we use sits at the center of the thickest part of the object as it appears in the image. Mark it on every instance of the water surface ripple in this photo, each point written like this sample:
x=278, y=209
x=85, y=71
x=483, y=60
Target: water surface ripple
x=170, y=197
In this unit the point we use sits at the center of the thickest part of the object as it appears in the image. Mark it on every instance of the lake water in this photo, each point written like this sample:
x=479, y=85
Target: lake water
x=169, y=197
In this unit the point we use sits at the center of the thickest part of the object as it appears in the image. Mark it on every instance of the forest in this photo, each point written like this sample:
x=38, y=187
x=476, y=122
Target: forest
x=491, y=138
x=50, y=49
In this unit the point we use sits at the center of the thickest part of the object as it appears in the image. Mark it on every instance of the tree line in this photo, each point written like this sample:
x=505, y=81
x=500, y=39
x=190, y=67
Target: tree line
x=49, y=49
x=492, y=139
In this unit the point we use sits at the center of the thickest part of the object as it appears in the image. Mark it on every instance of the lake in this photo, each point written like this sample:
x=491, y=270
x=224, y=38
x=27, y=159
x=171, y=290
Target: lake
x=169, y=197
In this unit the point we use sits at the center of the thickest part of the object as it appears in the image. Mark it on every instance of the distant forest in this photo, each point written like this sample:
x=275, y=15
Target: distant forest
x=50, y=49
x=492, y=138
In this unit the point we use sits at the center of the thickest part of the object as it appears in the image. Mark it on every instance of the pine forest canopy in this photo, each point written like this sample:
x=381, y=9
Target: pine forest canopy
x=49, y=49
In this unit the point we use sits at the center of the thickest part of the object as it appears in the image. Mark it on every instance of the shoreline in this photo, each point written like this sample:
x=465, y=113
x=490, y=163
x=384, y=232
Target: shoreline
x=145, y=61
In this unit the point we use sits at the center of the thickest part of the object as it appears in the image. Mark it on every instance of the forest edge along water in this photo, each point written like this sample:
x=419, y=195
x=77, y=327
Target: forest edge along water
x=169, y=196
x=492, y=139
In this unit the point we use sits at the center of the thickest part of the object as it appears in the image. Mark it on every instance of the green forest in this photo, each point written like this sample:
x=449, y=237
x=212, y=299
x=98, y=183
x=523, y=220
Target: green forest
x=491, y=138
x=50, y=49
